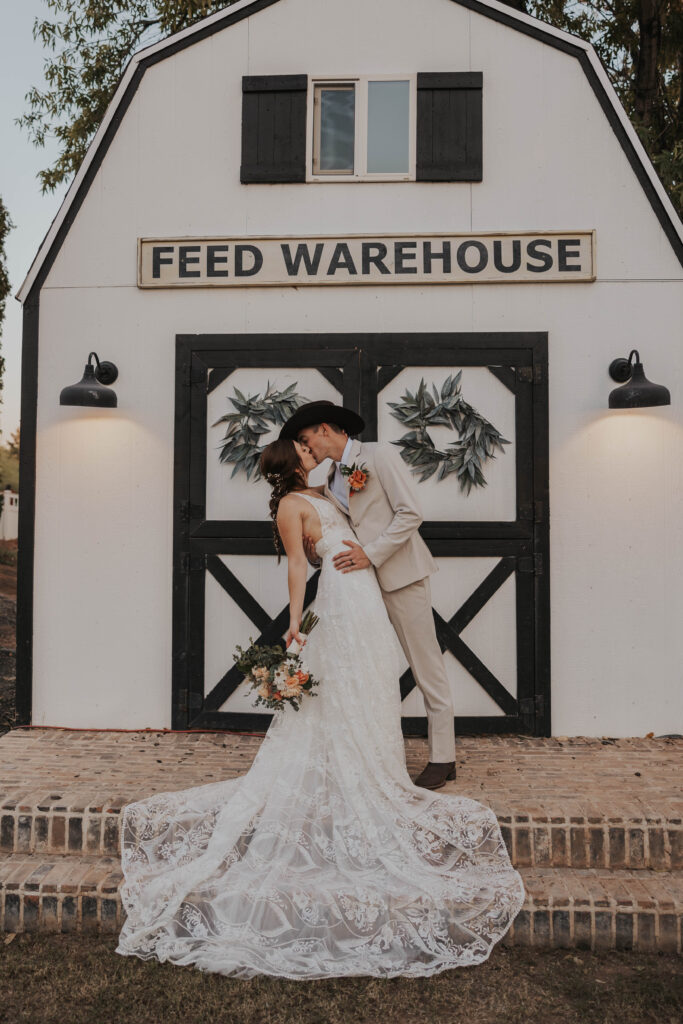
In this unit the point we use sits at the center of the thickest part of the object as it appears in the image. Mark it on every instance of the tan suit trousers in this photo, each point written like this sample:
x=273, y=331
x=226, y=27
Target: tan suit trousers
x=410, y=611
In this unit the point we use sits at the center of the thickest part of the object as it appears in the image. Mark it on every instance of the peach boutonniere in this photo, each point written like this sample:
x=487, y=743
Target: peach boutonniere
x=357, y=475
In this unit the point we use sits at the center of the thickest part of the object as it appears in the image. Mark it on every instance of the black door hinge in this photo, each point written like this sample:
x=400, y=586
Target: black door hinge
x=189, y=511
x=195, y=376
x=532, y=511
x=192, y=563
x=532, y=705
x=189, y=699
x=531, y=563
x=530, y=374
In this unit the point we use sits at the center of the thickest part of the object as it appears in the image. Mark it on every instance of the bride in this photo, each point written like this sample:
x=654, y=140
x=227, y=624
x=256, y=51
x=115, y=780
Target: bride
x=324, y=859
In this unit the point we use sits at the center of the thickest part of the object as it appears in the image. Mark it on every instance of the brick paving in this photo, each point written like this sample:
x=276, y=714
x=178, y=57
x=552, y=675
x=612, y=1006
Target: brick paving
x=593, y=825
x=576, y=802
x=574, y=777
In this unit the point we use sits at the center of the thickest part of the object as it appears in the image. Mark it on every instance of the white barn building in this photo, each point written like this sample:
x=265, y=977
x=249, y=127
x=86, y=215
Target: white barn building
x=346, y=200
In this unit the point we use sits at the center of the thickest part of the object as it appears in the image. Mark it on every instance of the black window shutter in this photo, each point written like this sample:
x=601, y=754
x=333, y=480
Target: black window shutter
x=273, y=128
x=449, y=126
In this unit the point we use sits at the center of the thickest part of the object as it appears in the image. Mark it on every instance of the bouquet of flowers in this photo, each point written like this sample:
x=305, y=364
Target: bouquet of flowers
x=277, y=675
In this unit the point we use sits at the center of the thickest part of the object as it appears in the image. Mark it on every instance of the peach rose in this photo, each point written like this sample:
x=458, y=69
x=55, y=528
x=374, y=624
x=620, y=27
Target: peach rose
x=292, y=687
x=357, y=480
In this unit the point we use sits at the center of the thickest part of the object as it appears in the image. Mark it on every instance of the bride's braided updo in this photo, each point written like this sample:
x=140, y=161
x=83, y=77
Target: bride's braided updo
x=281, y=468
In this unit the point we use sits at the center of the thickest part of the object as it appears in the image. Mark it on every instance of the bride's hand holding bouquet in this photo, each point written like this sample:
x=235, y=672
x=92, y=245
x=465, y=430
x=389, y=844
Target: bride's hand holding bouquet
x=278, y=675
x=295, y=638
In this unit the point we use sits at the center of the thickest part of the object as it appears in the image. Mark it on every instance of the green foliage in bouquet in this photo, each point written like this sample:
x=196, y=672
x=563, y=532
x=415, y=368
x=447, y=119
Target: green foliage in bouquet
x=277, y=675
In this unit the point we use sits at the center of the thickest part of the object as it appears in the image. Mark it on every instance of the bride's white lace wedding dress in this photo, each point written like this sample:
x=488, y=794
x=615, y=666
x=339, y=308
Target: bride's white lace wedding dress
x=324, y=859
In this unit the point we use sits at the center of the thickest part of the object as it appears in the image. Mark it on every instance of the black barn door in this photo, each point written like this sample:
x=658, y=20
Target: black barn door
x=491, y=594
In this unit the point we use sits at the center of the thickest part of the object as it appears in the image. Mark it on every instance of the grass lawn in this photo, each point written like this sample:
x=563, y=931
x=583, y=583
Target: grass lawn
x=81, y=980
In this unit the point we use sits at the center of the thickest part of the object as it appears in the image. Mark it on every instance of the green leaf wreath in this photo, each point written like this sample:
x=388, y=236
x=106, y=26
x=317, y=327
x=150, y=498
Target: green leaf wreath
x=254, y=417
x=465, y=457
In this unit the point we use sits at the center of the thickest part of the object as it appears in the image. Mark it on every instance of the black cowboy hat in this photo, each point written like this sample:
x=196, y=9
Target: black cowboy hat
x=322, y=412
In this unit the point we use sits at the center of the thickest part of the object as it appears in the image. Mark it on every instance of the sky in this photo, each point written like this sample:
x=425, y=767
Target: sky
x=21, y=67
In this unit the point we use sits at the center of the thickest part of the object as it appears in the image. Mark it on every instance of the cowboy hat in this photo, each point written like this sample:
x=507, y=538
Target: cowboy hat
x=322, y=412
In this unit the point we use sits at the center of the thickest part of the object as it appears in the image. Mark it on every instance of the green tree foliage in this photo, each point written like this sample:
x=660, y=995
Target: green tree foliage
x=640, y=43
x=6, y=226
x=13, y=443
x=9, y=463
x=90, y=44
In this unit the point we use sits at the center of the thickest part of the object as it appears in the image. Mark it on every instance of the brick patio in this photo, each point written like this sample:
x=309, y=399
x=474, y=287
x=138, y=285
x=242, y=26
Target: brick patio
x=593, y=825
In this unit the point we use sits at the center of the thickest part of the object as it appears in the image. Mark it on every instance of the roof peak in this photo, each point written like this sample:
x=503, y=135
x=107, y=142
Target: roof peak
x=236, y=12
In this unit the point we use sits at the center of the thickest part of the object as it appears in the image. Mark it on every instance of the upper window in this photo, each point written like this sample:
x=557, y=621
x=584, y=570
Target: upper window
x=361, y=128
x=422, y=127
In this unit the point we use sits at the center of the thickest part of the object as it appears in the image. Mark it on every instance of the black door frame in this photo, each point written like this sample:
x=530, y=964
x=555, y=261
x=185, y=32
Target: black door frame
x=359, y=366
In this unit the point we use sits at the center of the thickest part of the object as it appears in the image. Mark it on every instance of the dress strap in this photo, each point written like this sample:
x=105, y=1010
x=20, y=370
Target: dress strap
x=302, y=495
x=325, y=509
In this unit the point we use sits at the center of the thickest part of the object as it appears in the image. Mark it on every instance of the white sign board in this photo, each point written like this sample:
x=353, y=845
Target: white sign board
x=486, y=258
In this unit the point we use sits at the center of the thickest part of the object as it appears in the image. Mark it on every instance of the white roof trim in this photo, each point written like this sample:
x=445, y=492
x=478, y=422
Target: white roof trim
x=510, y=12
x=637, y=144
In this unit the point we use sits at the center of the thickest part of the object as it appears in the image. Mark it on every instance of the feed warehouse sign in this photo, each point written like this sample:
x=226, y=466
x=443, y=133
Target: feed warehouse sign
x=486, y=258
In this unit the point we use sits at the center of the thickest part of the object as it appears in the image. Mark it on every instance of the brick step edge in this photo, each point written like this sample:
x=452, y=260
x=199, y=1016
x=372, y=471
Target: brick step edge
x=615, y=843
x=564, y=907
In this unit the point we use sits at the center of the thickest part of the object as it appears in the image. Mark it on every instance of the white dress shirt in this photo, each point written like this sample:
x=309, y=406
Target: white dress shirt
x=339, y=486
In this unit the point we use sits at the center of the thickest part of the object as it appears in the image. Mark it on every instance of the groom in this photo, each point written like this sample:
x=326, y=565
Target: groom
x=382, y=504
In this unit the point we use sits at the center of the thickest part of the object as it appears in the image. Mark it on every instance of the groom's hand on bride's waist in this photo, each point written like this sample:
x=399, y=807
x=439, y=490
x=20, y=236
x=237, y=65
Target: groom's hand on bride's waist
x=310, y=552
x=354, y=558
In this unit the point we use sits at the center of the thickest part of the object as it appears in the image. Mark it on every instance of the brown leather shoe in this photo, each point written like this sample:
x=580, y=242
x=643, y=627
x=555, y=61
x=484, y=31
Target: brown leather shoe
x=436, y=774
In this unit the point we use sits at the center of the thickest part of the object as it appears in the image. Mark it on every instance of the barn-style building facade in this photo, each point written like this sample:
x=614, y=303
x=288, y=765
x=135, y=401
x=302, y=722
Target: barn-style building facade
x=437, y=214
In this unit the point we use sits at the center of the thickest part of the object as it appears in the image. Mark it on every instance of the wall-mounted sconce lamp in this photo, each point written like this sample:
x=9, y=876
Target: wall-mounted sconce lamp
x=637, y=391
x=89, y=390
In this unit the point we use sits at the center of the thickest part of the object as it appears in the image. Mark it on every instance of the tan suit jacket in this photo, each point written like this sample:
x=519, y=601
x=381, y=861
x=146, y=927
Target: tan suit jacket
x=386, y=515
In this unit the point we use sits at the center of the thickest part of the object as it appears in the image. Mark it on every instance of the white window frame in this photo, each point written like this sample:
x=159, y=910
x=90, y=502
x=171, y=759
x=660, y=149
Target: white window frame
x=361, y=126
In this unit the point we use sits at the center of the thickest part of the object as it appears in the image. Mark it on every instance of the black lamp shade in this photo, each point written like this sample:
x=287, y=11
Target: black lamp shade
x=89, y=390
x=638, y=392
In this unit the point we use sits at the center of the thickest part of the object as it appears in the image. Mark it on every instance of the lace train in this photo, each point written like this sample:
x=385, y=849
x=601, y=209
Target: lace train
x=324, y=859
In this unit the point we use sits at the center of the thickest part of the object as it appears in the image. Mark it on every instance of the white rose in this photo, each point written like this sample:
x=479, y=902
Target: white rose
x=280, y=677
